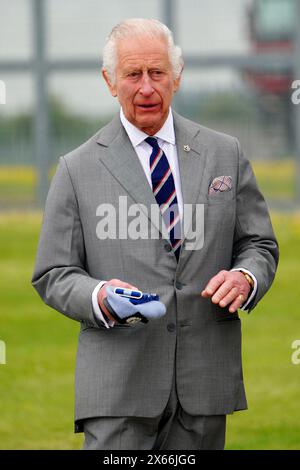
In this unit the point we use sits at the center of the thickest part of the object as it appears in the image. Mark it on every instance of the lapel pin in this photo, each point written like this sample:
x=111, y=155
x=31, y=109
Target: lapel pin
x=186, y=148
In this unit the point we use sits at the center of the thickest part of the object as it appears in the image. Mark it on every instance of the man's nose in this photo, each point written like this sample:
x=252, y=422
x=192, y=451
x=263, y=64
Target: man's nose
x=146, y=88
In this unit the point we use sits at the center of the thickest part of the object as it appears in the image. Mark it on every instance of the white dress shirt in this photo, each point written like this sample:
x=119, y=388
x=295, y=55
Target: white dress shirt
x=167, y=142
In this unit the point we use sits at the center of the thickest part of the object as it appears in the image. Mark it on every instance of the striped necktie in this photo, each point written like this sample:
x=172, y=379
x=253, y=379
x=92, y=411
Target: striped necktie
x=163, y=187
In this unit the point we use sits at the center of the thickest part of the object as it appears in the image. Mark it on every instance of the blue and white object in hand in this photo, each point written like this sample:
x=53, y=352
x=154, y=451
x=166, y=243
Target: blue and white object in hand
x=128, y=306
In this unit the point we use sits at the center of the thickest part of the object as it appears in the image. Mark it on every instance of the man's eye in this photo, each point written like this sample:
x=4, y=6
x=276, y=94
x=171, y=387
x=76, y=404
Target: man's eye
x=156, y=73
x=133, y=74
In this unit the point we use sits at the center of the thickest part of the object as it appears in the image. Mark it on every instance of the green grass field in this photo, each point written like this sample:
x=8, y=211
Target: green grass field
x=36, y=383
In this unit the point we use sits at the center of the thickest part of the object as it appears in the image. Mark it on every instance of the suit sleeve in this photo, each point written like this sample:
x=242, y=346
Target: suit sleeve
x=255, y=247
x=59, y=276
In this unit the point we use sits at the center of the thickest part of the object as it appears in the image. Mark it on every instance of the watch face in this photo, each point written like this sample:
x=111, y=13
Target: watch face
x=133, y=320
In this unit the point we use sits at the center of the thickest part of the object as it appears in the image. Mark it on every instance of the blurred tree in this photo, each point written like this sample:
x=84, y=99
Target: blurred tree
x=68, y=130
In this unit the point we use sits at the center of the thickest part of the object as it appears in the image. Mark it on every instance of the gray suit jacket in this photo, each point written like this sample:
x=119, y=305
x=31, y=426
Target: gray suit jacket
x=128, y=370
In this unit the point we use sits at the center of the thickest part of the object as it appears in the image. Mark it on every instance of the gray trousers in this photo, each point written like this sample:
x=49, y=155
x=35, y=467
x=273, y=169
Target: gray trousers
x=174, y=429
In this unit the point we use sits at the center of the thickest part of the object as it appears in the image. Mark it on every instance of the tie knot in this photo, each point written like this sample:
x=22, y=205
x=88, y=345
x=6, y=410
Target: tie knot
x=152, y=141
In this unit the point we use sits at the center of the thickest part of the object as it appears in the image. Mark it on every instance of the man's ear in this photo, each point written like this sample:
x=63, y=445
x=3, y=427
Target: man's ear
x=111, y=87
x=176, y=82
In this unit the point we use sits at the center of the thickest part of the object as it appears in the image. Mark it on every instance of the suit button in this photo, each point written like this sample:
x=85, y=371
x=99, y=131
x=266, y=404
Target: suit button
x=168, y=247
x=178, y=285
x=171, y=327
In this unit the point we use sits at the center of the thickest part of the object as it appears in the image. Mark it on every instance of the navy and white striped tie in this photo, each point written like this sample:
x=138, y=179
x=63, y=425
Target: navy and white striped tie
x=165, y=194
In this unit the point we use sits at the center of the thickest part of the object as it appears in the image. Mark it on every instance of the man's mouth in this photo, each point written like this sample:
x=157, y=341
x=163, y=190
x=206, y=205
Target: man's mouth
x=148, y=106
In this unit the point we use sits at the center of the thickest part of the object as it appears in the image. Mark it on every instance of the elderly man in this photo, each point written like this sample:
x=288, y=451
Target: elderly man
x=170, y=382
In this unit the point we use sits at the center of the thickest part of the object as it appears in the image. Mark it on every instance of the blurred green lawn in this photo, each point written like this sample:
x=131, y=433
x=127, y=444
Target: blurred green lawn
x=276, y=179
x=36, y=384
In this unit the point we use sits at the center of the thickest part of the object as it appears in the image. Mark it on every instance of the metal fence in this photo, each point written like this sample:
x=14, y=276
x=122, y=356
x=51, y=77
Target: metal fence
x=31, y=141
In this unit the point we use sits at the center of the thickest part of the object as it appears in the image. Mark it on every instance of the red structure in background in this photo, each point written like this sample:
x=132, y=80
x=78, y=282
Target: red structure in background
x=272, y=30
x=272, y=25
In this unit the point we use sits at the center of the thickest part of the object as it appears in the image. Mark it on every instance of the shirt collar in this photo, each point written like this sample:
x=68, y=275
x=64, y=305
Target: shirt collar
x=136, y=136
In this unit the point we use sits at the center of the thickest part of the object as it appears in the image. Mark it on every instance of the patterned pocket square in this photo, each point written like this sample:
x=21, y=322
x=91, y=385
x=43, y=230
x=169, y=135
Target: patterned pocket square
x=220, y=184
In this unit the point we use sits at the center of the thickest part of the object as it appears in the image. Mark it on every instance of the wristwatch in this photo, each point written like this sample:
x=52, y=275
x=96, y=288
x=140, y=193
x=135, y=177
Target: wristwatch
x=131, y=319
x=248, y=279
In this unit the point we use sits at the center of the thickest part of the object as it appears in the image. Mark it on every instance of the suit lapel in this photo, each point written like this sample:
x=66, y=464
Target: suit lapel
x=123, y=163
x=191, y=158
x=192, y=162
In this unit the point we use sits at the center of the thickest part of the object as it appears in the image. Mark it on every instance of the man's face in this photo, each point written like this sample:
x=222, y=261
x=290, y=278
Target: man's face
x=144, y=82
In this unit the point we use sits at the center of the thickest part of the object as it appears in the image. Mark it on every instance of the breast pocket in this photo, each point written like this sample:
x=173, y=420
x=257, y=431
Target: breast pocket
x=220, y=197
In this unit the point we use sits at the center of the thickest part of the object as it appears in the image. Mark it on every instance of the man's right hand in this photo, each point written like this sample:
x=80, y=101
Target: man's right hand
x=102, y=294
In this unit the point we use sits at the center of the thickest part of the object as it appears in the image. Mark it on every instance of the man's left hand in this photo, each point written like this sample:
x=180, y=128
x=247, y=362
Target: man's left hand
x=228, y=288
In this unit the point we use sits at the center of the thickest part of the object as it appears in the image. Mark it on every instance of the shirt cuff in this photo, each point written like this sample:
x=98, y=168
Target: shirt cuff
x=97, y=310
x=254, y=290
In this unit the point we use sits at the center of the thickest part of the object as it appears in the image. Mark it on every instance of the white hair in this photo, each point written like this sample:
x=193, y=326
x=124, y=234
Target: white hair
x=140, y=27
